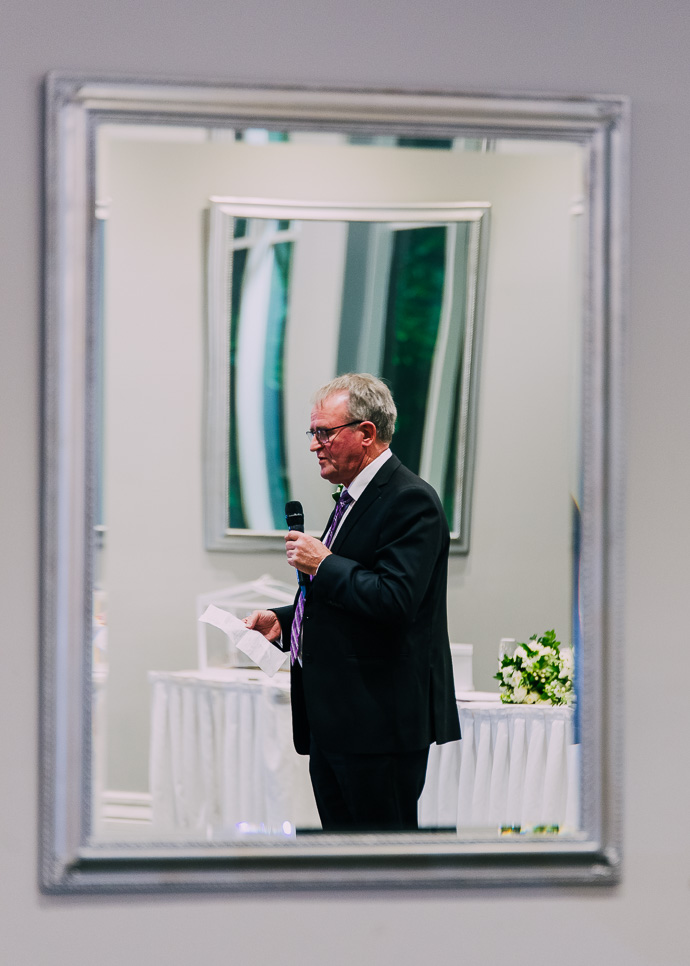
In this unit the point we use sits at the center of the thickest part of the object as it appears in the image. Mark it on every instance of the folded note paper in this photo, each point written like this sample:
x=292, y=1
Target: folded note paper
x=254, y=645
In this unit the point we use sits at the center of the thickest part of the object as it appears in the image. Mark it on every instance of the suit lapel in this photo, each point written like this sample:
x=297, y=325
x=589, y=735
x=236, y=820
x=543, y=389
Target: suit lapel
x=365, y=502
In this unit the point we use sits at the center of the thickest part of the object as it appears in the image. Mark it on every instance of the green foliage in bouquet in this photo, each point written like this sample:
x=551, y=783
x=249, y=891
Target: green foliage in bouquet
x=537, y=672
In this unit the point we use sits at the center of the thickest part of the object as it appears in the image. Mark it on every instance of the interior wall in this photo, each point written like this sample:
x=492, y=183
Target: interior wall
x=563, y=46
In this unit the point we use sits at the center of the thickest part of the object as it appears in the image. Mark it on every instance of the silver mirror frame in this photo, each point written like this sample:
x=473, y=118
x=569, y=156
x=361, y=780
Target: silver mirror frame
x=70, y=862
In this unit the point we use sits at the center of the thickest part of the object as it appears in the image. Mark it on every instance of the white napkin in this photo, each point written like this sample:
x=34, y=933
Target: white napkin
x=251, y=643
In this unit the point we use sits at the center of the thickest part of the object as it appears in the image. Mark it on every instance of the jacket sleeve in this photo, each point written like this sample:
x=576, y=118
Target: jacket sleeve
x=284, y=615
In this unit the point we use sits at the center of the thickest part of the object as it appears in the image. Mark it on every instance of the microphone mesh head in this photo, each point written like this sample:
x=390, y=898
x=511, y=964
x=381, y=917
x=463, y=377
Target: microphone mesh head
x=294, y=515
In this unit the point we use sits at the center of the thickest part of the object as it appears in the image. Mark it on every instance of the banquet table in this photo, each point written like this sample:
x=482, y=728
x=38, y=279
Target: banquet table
x=516, y=767
x=221, y=758
x=222, y=761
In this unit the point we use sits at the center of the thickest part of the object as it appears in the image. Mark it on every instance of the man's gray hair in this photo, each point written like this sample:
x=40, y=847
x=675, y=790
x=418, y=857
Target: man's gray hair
x=369, y=399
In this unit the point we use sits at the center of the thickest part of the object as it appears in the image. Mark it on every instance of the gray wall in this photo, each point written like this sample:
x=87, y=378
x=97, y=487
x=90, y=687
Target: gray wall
x=541, y=45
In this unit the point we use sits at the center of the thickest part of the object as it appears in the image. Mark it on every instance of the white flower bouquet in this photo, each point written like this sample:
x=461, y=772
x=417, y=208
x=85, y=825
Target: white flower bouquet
x=537, y=673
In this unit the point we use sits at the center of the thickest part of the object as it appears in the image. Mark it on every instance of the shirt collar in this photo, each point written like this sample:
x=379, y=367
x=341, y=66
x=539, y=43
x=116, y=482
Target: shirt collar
x=365, y=476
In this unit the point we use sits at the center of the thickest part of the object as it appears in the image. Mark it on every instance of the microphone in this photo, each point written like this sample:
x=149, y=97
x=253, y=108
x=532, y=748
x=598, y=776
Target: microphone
x=294, y=517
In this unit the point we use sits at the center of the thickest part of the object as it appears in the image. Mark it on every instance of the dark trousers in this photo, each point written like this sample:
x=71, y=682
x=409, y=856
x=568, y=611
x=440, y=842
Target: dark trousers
x=357, y=792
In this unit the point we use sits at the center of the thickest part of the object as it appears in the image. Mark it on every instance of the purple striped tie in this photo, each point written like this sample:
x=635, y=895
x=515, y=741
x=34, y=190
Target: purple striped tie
x=340, y=508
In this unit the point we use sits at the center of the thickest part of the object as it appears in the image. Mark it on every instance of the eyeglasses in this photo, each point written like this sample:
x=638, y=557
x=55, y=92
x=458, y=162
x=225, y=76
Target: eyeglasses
x=323, y=433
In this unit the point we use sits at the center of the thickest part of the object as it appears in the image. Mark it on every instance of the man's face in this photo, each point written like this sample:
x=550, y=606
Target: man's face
x=345, y=453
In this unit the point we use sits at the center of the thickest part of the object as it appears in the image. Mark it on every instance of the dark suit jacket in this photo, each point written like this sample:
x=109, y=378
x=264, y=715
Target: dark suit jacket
x=376, y=671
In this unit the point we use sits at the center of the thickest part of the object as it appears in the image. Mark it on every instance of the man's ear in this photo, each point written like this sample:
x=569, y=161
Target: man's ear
x=369, y=430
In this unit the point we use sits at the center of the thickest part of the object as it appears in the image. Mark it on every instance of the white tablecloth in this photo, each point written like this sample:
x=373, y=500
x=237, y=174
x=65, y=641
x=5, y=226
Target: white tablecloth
x=222, y=753
x=515, y=766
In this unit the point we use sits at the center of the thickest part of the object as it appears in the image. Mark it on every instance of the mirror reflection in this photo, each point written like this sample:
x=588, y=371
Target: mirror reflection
x=189, y=741
x=397, y=296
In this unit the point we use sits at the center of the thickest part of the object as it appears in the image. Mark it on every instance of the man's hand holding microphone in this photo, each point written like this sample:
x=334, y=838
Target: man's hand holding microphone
x=304, y=553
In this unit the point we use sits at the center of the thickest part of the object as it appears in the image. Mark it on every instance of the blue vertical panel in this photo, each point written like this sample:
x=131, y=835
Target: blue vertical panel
x=577, y=619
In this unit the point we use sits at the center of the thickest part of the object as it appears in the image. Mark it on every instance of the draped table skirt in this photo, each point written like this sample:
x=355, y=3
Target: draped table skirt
x=222, y=761
x=222, y=758
x=515, y=767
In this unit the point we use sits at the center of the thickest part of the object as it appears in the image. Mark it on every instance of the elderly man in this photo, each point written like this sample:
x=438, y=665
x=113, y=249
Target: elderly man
x=372, y=680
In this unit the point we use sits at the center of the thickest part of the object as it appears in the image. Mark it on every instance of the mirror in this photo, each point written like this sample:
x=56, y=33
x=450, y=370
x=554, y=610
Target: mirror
x=150, y=467
x=389, y=290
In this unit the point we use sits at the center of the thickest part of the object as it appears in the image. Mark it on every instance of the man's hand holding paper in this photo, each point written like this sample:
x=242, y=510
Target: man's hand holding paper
x=254, y=643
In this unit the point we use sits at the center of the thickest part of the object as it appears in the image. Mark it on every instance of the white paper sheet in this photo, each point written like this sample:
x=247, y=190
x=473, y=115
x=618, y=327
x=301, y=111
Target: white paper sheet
x=251, y=643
